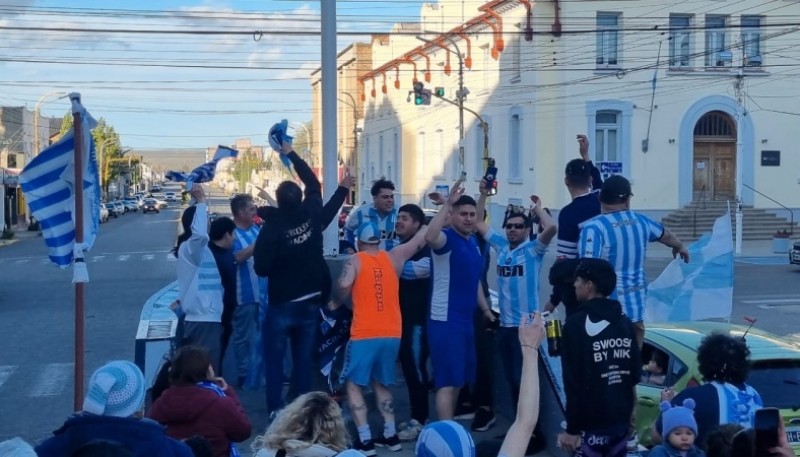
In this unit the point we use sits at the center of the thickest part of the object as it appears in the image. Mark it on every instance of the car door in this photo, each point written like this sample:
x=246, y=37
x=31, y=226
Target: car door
x=648, y=391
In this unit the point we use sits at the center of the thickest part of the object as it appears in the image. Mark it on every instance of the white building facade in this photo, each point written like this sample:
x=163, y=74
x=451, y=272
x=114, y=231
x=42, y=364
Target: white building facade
x=663, y=92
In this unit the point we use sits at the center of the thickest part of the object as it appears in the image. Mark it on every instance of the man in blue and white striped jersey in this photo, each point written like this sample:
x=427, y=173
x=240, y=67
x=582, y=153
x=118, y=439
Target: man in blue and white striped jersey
x=621, y=236
x=519, y=261
x=249, y=287
x=380, y=216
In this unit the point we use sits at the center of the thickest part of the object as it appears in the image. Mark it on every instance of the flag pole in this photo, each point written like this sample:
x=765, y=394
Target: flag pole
x=77, y=123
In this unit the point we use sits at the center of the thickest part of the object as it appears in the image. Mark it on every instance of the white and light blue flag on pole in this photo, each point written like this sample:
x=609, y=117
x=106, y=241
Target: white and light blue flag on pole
x=48, y=182
x=205, y=172
x=701, y=289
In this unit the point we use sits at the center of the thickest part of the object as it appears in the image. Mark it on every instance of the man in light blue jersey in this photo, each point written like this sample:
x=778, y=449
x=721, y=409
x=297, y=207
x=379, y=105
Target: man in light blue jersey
x=456, y=268
x=621, y=236
x=519, y=261
x=249, y=287
x=380, y=216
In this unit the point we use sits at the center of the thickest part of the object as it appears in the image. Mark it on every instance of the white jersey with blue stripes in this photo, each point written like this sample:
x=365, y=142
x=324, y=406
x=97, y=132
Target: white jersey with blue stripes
x=621, y=237
x=517, y=277
x=365, y=216
x=249, y=287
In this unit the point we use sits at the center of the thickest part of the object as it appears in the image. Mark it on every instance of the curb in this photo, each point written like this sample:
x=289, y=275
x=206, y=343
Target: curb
x=5, y=243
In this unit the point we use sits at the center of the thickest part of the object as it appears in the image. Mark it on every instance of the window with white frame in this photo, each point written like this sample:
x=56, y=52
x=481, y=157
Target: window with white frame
x=485, y=68
x=438, y=154
x=516, y=57
x=716, y=42
x=607, y=40
x=680, y=40
x=381, y=158
x=751, y=40
x=606, y=136
x=480, y=164
x=514, y=146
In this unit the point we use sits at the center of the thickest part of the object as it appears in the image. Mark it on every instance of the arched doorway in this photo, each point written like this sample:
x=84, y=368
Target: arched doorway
x=714, y=165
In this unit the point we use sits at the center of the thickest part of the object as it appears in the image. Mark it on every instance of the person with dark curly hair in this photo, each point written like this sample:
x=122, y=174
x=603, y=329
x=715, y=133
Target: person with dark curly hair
x=725, y=398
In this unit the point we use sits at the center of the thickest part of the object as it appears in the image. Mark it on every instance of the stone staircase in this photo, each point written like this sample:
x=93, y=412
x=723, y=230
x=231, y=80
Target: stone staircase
x=691, y=221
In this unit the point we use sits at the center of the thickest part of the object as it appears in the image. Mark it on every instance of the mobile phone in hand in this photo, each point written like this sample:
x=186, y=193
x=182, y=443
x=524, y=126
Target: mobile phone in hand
x=767, y=426
x=490, y=177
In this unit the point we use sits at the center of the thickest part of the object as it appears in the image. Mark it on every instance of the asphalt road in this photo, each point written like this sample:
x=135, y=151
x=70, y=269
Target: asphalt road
x=129, y=262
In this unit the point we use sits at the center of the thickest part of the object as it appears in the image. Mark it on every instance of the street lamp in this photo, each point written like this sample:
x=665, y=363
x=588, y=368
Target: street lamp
x=36, y=114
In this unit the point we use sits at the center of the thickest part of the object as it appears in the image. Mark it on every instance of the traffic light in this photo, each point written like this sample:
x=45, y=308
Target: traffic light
x=439, y=91
x=422, y=96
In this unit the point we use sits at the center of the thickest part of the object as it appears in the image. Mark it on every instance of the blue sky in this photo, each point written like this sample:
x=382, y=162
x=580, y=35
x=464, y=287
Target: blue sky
x=171, y=91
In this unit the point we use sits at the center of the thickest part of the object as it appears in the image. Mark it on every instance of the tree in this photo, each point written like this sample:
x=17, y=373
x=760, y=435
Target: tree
x=247, y=162
x=304, y=139
x=66, y=124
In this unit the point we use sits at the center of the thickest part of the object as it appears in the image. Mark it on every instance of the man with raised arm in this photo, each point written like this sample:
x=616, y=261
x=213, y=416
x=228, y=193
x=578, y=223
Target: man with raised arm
x=456, y=272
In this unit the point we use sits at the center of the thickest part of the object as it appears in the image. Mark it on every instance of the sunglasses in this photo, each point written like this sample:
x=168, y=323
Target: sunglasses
x=515, y=226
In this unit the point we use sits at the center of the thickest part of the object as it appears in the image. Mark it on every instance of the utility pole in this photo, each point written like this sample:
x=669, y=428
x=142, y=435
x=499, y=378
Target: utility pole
x=354, y=155
x=739, y=89
x=460, y=96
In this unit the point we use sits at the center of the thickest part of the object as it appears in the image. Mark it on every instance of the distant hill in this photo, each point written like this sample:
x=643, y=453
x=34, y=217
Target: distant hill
x=180, y=159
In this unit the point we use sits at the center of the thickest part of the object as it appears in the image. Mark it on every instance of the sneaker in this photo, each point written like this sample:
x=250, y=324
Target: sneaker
x=392, y=443
x=464, y=412
x=367, y=447
x=411, y=431
x=483, y=420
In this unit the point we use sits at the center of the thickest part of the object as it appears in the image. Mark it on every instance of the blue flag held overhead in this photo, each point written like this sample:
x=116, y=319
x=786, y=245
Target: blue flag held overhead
x=49, y=185
x=205, y=172
x=176, y=176
x=277, y=135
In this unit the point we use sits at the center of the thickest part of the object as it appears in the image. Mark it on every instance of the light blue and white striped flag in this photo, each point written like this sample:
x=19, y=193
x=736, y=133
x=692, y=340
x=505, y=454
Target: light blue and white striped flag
x=205, y=172
x=48, y=182
x=701, y=289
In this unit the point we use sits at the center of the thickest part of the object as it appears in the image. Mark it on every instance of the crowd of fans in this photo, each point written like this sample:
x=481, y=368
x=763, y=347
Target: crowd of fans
x=416, y=293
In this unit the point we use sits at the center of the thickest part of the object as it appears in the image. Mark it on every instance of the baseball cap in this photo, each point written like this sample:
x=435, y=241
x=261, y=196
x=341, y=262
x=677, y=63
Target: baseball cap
x=615, y=189
x=367, y=235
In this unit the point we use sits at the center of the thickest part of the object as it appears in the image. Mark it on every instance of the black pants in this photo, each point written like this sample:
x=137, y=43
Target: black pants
x=414, y=355
x=480, y=395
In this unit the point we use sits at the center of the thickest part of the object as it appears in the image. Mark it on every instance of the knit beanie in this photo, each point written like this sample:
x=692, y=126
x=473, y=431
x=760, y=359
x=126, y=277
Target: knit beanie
x=115, y=389
x=673, y=417
x=445, y=439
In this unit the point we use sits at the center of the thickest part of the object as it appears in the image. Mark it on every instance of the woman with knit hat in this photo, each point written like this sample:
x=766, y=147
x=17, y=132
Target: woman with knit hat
x=112, y=411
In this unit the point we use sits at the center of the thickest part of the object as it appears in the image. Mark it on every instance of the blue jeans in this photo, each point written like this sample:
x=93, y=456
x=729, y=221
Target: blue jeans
x=297, y=323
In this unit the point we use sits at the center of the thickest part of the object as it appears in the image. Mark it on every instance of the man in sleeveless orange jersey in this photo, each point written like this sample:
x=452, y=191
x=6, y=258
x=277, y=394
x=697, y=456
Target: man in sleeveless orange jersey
x=371, y=278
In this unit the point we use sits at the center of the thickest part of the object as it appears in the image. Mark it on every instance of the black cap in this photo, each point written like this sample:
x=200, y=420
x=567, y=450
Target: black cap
x=616, y=189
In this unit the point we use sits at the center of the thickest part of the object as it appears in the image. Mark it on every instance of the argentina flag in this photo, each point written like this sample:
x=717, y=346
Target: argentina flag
x=205, y=172
x=48, y=182
x=701, y=289
x=176, y=176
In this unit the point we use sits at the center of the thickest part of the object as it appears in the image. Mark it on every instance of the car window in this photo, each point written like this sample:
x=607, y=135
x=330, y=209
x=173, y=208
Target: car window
x=660, y=367
x=777, y=381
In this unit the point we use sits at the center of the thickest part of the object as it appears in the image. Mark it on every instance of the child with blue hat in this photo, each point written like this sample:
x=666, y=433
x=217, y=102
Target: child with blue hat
x=679, y=429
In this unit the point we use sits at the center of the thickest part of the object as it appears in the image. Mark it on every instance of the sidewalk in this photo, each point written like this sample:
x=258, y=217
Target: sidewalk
x=20, y=233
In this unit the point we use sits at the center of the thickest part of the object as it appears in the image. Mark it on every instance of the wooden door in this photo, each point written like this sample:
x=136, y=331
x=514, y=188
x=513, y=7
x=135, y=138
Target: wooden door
x=714, y=169
x=724, y=170
x=701, y=185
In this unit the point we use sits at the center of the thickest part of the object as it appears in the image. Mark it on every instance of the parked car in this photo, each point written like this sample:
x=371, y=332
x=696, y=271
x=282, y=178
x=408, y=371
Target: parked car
x=103, y=213
x=150, y=205
x=775, y=371
x=170, y=197
x=131, y=205
x=794, y=254
x=120, y=207
x=112, y=209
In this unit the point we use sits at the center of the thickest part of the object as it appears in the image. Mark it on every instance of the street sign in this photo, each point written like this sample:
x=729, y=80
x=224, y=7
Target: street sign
x=11, y=180
x=608, y=169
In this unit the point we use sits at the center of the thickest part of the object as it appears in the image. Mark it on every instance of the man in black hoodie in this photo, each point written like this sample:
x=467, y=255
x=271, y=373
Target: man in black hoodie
x=288, y=252
x=601, y=366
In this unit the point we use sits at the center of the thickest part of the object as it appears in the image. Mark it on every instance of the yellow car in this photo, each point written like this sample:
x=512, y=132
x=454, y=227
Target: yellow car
x=775, y=372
